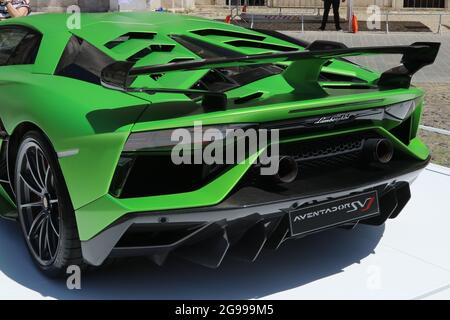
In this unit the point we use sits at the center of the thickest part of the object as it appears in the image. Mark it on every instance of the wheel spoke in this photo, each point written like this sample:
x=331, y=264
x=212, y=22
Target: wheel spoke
x=37, y=201
x=29, y=186
x=40, y=244
x=36, y=223
x=46, y=179
x=47, y=240
x=53, y=227
x=38, y=167
x=33, y=170
x=31, y=204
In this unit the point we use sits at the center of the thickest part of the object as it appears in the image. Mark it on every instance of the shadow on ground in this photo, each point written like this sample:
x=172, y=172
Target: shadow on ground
x=295, y=264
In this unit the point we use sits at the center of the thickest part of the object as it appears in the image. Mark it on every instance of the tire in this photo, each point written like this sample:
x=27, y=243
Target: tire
x=46, y=214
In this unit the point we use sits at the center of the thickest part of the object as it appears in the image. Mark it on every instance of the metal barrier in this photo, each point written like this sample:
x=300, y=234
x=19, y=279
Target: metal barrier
x=440, y=14
x=246, y=17
x=270, y=4
x=252, y=17
x=290, y=4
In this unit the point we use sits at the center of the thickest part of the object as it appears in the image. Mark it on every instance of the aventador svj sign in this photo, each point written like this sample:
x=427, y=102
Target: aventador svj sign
x=332, y=213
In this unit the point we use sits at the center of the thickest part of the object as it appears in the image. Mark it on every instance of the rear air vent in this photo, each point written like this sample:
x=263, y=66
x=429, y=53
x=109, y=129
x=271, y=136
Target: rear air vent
x=162, y=47
x=156, y=76
x=139, y=55
x=224, y=79
x=204, y=49
x=403, y=131
x=180, y=60
x=128, y=36
x=153, y=48
x=226, y=33
x=260, y=45
x=334, y=77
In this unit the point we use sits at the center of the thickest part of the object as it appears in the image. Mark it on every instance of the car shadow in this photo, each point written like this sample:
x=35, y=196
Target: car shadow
x=295, y=264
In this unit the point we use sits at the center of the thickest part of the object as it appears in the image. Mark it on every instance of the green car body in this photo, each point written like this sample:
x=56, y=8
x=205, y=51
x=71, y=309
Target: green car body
x=88, y=124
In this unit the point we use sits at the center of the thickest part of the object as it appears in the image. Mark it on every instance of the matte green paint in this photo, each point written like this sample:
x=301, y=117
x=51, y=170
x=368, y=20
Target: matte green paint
x=96, y=122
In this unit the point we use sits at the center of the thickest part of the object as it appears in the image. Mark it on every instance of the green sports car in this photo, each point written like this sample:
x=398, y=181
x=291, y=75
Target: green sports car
x=88, y=116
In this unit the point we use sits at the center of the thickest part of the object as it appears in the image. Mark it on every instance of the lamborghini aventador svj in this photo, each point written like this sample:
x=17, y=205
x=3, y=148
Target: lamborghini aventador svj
x=87, y=116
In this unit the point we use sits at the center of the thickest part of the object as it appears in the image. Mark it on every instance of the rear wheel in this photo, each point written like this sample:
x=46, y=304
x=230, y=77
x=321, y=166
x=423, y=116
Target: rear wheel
x=45, y=211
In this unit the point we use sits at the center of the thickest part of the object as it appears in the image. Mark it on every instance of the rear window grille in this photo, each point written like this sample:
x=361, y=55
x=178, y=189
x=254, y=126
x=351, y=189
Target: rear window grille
x=204, y=49
x=152, y=48
x=128, y=36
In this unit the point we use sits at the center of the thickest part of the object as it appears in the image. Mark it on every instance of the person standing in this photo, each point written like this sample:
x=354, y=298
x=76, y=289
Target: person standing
x=14, y=8
x=326, y=11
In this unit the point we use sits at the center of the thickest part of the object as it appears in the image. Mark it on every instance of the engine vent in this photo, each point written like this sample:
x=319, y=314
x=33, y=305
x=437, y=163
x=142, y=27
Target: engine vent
x=152, y=48
x=128, y=36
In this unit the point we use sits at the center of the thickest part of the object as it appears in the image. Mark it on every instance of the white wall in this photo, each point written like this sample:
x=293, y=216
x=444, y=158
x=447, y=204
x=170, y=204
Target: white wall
x=126, y=5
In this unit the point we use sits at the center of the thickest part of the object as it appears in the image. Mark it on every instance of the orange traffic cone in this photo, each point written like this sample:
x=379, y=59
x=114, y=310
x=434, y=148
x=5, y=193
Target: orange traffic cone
x=228, y=19
x=354, y=24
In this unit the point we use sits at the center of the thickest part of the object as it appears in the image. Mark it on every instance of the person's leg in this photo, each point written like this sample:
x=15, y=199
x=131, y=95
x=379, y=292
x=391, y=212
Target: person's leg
x=336, y=4
x=326, y=11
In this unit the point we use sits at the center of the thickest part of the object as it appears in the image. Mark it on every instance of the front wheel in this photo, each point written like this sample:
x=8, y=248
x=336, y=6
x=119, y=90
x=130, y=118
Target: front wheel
x=45, y=211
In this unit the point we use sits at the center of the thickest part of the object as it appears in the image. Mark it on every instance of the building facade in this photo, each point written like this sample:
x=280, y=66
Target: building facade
x=107, y=5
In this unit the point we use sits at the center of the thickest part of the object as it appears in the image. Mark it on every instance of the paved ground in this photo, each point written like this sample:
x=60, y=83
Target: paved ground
x=405, y=259
x=437, y=115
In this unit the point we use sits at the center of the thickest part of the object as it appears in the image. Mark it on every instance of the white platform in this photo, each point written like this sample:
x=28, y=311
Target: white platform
x=408, y=258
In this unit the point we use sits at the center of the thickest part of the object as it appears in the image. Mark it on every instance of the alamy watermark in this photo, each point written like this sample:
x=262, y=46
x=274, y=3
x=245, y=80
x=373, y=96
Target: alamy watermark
x=74, y=19
x=373, y=17
x=73, y=281
x=210, y=145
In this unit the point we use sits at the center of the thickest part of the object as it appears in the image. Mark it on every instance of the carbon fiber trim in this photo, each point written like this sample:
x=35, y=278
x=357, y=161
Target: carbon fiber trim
x=241, y=232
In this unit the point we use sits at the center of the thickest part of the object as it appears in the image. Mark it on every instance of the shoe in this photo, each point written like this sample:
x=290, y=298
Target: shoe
x=339, y=30
x=322, y=29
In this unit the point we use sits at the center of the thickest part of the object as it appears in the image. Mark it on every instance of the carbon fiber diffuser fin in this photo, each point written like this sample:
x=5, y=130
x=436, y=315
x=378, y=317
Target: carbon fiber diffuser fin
x=209, y=252
x=251, y=244
x=388, y=204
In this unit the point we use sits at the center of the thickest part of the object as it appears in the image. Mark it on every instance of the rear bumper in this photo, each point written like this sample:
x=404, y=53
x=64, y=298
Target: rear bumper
x=205, y=235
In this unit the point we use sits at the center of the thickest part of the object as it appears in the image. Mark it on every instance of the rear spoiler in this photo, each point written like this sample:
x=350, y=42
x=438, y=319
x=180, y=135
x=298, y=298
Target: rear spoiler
x=304, y=70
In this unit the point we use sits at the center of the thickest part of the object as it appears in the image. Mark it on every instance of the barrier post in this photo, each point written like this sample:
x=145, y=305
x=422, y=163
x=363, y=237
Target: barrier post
x=440, y=23
x=349, y=14
x=303, y=24
x=387, y=21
